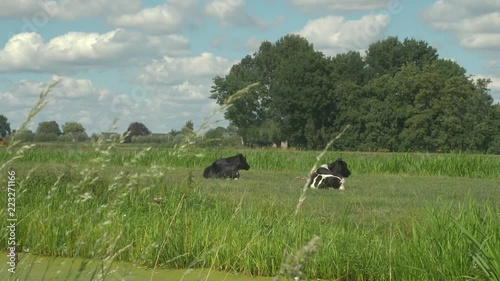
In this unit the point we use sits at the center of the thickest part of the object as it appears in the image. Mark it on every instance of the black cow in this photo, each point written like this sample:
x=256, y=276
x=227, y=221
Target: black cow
x=226, y=167
x=330, y=175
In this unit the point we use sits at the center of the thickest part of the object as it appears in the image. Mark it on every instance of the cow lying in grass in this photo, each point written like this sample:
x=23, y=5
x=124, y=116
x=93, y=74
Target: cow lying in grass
x=226, y=168
x=330, y=175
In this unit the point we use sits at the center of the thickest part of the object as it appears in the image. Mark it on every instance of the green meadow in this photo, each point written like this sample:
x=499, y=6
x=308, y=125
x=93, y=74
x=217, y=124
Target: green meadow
x=403, y=216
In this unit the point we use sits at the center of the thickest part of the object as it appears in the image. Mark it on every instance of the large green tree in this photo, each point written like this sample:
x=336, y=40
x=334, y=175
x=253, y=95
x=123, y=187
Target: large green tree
x=302, y=94
x=249, y=110
x=136, y=129
x=267, y=113
x=73, y=127
x=48, y=127
x=188, y=127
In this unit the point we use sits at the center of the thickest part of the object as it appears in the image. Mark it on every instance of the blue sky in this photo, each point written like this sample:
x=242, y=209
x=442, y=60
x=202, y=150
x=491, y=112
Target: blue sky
x=153, y=61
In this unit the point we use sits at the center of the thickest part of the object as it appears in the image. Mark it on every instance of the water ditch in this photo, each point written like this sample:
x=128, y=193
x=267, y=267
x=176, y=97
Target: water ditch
x=36, y=268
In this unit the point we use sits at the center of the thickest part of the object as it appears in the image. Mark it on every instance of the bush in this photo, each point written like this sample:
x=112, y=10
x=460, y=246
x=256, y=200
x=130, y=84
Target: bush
x=25, y=136
x=45, y=137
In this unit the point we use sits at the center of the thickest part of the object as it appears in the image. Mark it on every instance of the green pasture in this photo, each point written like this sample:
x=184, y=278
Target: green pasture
x=408, y=216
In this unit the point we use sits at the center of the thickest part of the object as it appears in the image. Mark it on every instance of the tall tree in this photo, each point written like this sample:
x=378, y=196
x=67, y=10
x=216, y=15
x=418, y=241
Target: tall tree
x=262, y=114
x=188, y=127
x=187, y=131
x=4, y=126
x=248, y=110
x=73, y=127
x=136, y=129
x=48, y=127
x=302, y=94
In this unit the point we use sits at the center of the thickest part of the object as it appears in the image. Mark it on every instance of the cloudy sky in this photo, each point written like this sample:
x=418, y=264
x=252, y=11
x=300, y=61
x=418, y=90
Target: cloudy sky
x=153, y=61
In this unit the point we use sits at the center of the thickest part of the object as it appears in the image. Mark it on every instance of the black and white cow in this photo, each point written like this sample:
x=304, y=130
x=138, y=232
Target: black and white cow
x=330, y=175
x=226, y=167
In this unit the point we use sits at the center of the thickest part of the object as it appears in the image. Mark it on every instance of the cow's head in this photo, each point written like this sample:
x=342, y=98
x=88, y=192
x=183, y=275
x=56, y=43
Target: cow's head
x=242, y=162
x=339, y=167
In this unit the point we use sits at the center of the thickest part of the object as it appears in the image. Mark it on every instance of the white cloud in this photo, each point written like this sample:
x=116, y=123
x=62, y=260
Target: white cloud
x=335, y=34
x=157, y=19
x=26, y=93
x=76, y=89
x=480, y=40
x=234, y=13
x=229, y=12
x=164, y=19
x=340, y=5
x=476, y=24
x=22, y=7
x=189, y=91
x=21, y=94
x=40, y=11
x=174, y=70
x=76, y=50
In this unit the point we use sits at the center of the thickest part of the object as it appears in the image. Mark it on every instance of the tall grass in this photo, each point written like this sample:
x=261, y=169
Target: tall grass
x=423, y=164
x=139, y=215
x=486, y=253
x=111, y=203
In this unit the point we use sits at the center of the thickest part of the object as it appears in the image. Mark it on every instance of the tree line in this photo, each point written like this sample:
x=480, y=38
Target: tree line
x=398, y=96
x=46, y=131
x=137, y=132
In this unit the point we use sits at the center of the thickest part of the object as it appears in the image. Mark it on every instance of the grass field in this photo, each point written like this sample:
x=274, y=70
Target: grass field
x=410, y=216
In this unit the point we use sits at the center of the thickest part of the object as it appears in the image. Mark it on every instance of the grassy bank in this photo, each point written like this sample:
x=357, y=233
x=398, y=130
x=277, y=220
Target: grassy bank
x=402, y=217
